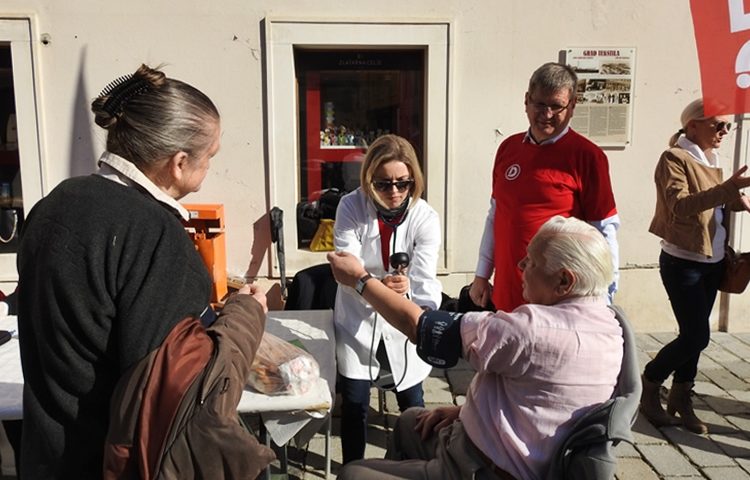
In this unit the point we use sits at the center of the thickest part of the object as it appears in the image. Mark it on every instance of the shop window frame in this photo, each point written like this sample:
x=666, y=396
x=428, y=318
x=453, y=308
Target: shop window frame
x=17, y=32
x=282, y=36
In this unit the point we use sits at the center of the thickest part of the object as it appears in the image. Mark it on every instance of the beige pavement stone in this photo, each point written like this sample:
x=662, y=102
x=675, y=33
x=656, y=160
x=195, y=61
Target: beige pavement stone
x=664, y=337
x=709, y=388
x=733, y=342
x=716, y=423
x=742, y=422
x=736, y=445
x=707, y=363
x=634, y=469
x=626, y=450
x=643, y=359
x=719, y=353
x=724, y=379
x=701, y=450
x=647, y=343
x=667, y=461
x=645, y=433
x=741, y=395
x=744, y=463
x=739, y=368
x=437, y=391
x=726, y=473
x=726, y=406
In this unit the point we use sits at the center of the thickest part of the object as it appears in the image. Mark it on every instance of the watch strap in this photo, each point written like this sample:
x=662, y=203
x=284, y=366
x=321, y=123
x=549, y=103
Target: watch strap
x=361, y=283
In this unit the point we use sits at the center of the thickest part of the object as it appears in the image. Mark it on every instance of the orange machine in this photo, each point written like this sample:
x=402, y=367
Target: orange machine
x=206, y=229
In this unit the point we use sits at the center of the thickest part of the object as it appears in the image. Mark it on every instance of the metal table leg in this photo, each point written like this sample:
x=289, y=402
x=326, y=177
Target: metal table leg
x=328, y=446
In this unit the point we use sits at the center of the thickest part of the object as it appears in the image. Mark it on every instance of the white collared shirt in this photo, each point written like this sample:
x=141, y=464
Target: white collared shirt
x=114, y=167
x=530, y=139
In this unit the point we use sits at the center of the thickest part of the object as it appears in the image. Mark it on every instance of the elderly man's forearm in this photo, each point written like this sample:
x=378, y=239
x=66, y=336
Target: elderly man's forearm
x=403, y=314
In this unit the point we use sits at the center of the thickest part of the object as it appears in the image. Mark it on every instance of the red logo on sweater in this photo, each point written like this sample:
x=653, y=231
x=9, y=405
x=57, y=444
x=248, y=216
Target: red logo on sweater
x=512, y=172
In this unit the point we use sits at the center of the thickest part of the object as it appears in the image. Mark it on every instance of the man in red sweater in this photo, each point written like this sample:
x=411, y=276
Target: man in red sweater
x=546, y=171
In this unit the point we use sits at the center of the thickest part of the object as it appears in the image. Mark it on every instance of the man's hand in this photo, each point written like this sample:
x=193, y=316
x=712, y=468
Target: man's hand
x=346, y=268
x=257, y=294
x=480, y=291
x=432, y=421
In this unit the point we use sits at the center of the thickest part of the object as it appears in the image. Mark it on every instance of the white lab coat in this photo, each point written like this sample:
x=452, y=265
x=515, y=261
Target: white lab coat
x=356, y=231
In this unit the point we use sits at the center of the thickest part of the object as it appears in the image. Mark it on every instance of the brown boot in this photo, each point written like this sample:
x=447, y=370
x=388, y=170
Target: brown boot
x=680, y=401
x=651, y=405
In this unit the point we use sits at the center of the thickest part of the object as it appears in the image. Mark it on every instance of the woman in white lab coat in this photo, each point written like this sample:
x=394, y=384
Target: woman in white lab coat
x=384, y=216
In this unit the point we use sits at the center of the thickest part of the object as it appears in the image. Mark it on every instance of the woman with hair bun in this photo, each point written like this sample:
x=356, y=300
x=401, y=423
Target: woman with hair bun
x=692, y=201
x=106, y=270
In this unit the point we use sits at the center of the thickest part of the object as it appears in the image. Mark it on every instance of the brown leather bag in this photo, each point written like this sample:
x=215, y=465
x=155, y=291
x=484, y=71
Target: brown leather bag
x=737, y=273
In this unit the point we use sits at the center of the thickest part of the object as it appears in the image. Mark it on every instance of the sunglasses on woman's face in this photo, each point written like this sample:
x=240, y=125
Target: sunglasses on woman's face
x=722, y=125
x=719, y=126
x=387, y=185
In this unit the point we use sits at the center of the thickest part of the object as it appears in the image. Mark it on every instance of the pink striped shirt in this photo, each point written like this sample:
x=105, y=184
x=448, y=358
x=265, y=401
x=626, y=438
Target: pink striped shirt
x=539, y=369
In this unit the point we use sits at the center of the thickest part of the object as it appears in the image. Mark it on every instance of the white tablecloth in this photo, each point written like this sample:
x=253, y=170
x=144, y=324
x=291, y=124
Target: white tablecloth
x=11, y=376
x=283, y=415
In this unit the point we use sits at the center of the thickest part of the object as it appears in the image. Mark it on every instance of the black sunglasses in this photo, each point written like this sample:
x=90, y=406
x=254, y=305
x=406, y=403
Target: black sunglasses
x=387, y=185
x=722, y=125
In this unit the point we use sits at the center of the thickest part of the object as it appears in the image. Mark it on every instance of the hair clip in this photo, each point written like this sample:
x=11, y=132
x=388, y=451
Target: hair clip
x=114, y=84
x=120, y=91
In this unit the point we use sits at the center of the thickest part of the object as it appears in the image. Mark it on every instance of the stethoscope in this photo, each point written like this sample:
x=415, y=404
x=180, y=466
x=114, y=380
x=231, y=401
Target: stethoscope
x=399, y=262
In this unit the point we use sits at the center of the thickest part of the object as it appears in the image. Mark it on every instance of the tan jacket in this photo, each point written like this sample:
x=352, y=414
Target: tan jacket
x=686, y=194
x=174, y=414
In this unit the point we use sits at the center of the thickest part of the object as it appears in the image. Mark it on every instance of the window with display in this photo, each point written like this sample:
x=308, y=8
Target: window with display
x=11, y=199
x=20, y=159
x=348, y=98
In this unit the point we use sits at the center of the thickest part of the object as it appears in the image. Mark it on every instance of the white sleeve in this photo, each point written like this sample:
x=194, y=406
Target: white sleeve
x=609, y=227
x=346, y=235
x=486, y=262
x=426, y=289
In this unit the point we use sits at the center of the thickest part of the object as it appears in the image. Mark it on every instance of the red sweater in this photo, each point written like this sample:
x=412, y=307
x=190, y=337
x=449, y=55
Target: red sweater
x=532, y=183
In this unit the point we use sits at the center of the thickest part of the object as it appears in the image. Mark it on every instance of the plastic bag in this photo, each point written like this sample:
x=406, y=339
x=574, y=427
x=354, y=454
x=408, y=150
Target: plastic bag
x=281, y=368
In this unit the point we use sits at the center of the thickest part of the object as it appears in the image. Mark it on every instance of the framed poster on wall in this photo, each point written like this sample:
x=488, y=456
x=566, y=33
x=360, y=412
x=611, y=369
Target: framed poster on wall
x=604, y=93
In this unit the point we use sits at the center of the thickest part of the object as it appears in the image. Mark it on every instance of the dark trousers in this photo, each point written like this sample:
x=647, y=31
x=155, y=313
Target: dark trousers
x=355, y=402
x=692, y=288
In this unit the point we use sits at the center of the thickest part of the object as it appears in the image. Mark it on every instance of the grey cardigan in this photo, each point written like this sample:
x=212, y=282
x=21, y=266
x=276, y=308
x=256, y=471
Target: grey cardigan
x=588, y=452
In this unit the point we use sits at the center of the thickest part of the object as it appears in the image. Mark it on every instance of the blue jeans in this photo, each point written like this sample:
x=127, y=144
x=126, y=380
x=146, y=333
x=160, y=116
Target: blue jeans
x=692, y=288
x=355, y=402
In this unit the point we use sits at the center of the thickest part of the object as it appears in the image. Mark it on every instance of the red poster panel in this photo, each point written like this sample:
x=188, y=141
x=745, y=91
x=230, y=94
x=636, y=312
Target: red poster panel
x=722, y=35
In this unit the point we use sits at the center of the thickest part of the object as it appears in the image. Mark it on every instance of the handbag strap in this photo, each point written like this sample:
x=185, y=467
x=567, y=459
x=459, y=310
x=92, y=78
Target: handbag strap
x=13, y=230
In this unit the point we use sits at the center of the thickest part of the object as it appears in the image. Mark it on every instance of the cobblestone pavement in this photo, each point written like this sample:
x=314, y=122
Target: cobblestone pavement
x=722, y=401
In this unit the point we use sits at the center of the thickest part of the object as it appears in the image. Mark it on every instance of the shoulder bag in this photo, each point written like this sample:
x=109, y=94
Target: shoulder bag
x=737, y=272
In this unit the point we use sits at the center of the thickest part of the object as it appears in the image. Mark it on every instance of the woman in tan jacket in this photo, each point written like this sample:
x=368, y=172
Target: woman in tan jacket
x=691, y=198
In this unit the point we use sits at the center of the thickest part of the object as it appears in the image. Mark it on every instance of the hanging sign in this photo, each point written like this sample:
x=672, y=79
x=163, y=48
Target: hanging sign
x=604, y=93
x=722, y=35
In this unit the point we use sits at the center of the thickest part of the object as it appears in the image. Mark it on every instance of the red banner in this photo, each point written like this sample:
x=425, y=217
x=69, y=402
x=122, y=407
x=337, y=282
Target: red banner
x=722, y=35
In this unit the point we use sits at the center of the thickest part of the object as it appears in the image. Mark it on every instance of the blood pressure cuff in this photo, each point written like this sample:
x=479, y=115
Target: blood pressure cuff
x=439, y=338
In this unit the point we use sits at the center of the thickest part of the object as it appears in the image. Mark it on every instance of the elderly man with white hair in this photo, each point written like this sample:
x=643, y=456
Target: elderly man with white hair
x=539, y=368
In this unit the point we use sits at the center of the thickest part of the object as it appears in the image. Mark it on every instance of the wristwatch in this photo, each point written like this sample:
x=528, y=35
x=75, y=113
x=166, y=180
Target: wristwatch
x=360, y=286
